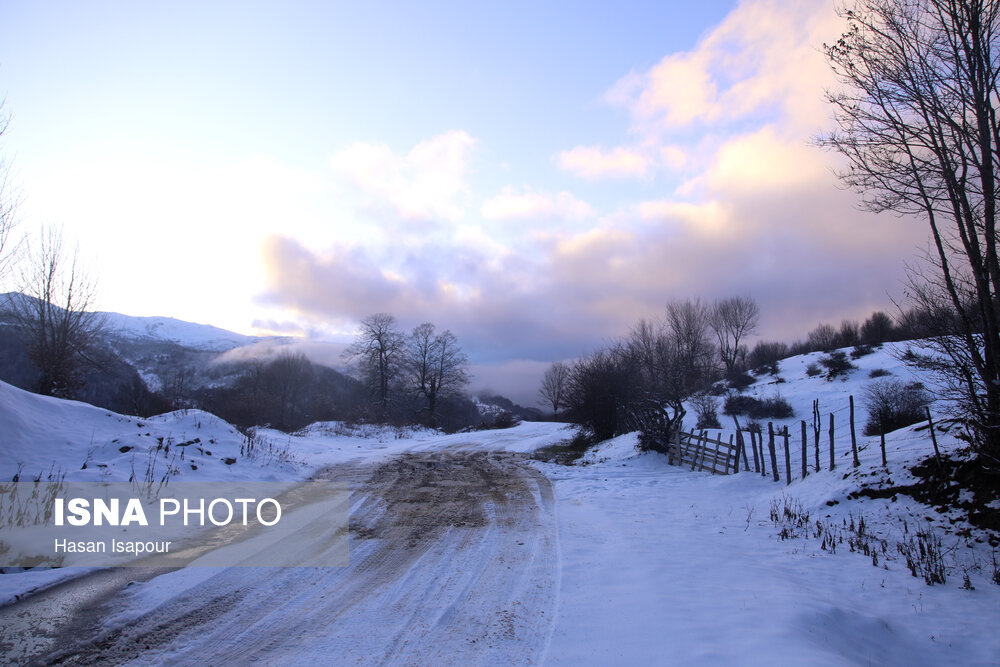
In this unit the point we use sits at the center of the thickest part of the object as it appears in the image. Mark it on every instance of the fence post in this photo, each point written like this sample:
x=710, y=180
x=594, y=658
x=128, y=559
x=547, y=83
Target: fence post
x=698, y=459
x=770, y=448
x=854, y=439
x=758, y=437
x=788, y=460
x=937, y=452
x=833, y=462
x=740, y=444
x=736, y=467
x=694, y=441
x=885, y=463
x=816, y=429
x=805, y=451
x=715, y=456
x=679, y=448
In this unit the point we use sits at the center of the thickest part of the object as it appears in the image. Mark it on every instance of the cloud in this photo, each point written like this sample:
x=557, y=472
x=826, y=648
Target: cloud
x=763, y=57
x=592, y=162
x=425, y=184
x=526, y=204
x=758, y=212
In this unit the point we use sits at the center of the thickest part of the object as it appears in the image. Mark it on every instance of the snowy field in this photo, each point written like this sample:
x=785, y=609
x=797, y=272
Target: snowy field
x=620, y=559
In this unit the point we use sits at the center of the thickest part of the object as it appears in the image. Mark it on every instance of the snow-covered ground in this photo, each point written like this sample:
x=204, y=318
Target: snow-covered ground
x=634, y=562
x=661, y=565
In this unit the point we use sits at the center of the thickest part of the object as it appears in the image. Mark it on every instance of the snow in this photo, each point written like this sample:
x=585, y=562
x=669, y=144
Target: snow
x=663, y=565
x=168, y=329
x=652, y=563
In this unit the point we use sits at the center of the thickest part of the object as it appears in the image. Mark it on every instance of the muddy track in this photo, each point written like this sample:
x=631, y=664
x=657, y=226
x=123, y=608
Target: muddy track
x=453, y=560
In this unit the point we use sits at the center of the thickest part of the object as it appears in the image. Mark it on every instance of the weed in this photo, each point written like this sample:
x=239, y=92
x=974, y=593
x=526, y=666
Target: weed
x=924, y=557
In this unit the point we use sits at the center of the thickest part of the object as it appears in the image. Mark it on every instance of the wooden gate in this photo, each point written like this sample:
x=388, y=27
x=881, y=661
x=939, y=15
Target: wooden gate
x=701, y=452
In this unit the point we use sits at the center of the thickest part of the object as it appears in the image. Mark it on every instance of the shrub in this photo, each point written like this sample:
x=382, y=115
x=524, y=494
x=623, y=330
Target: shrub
x=836, y=364
x=812, y=370
x=878, y=373
x=718, y=389
x=861, y=350
x=767, y=354
x=740, y=380
x=738, y=404
x=893, y=405
x=775, y=407
x=568, y=451
x=706, y=408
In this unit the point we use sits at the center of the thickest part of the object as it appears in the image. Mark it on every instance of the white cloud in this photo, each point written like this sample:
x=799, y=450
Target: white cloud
x=592, y=162
x=427, y=183
x=763, y=56
x=526, y=204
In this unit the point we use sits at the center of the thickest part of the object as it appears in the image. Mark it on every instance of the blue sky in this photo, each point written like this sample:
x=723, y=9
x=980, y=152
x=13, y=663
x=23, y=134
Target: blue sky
x=534, y=176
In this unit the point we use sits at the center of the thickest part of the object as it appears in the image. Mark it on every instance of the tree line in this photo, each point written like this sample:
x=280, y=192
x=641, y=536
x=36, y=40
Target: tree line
x=640, y=382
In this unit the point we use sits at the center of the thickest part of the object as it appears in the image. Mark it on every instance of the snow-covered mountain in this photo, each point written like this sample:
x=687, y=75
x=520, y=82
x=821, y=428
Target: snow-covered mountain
x=166, y=351
x=167, y=329
x=160, y=329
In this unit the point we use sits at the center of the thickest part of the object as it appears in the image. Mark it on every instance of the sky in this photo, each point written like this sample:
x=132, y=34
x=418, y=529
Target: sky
x=534, y=176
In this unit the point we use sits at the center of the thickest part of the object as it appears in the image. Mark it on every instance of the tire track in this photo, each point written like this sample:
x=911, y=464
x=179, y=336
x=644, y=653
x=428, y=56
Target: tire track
x=453, y=561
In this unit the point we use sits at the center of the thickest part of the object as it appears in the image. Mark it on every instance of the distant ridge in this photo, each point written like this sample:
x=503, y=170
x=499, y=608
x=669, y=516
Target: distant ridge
x=163, y=329
x=189, y=334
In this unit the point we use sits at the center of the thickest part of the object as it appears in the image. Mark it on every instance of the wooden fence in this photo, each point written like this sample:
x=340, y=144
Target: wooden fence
x=702, y=452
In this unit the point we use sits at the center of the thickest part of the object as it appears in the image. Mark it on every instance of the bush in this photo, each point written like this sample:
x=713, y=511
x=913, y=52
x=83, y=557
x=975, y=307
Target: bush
x=813, y=370
x=767, y=354
x=836, y=364
x=706, y=408
x=893, y=405
x=568, y=451
x=775, y=407
x=861, y=350
x=740, y=380
x=878, y=373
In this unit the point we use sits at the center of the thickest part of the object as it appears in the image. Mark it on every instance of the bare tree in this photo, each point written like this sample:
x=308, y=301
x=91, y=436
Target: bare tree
x=286, y=378
x=693, y=354
x=823, y=338
x=9, y=200
x=878, y=328
x=732, y=320
x=641, y=382
x=917, y=118
x=553, y=389
x=602, y=392
x=55, y=317
x=378, y=349
x=437, y=366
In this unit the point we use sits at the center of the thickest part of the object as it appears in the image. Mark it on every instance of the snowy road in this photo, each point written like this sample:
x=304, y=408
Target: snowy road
x=454, y=559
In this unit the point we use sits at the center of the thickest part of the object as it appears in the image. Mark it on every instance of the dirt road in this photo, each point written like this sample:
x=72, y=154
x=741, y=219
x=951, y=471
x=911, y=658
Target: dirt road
x=454, y=560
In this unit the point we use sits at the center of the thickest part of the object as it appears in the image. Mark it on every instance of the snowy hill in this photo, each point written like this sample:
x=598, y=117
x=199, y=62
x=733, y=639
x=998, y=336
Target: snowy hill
x=50, y=438
x=802, y=379
x=168, y=329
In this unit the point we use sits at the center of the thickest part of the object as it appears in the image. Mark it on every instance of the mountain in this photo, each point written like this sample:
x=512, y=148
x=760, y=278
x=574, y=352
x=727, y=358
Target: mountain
x=169, y=330
x=149, y=364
